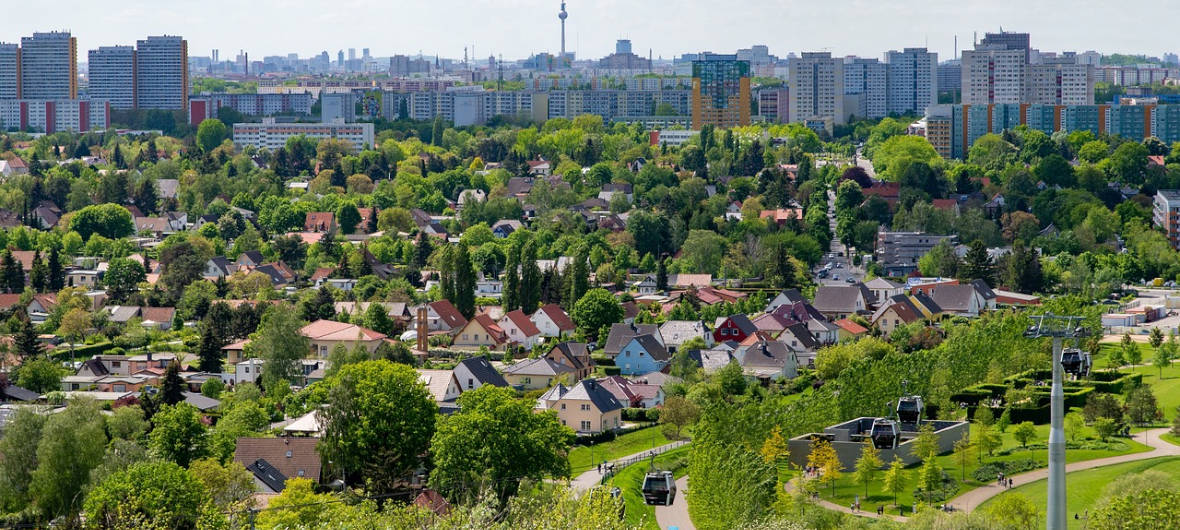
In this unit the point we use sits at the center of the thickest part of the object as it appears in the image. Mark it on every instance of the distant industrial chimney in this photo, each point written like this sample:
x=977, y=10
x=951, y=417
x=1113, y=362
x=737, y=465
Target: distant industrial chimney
x=422, y=329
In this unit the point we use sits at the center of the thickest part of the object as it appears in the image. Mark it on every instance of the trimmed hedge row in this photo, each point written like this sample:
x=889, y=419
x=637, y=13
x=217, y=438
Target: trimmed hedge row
x=607, y=436
x=637, y=414
x=64, y=352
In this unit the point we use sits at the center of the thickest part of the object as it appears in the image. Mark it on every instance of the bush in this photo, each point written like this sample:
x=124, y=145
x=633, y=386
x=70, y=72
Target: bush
x=602, y=360
x=989, y=471
x=637, y=414
x=612, y=370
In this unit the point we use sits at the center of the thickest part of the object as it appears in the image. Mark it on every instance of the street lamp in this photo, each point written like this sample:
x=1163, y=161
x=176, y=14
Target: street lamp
x=1058, y=328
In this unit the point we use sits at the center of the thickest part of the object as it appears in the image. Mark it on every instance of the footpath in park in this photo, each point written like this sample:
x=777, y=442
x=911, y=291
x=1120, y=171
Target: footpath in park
x=592, y=478
x=676, y=515
x=973, y=499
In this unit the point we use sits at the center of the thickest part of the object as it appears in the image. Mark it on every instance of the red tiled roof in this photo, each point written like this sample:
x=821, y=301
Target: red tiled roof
x=522, y=322
x=338, y=331
x=558, y=316
x=158, y=314
x=850, y=326
x=449, y=314
x=319, y=221
x=485, y=321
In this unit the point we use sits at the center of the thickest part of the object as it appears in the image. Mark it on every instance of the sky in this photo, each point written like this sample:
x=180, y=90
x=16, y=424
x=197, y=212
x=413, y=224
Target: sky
x=517, y=28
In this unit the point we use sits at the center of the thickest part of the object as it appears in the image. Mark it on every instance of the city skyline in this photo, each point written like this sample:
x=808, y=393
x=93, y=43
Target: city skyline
x=851, y=27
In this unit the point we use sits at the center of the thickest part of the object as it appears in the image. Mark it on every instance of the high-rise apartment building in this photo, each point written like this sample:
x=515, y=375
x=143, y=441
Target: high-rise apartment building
x=337, y=106
x=9, y=71
x=720, y=91
x=161, y=73
x=1166, y=214
x=48, y=66
x=1007, y=41
x=865, y=79
x=1061, y=81
x=913, y=80
x=817, y=88
x=774, y=104
x=993, y=74
x=112, y=76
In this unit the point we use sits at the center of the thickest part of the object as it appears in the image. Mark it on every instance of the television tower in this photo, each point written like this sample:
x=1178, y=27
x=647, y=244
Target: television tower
x=562, y=15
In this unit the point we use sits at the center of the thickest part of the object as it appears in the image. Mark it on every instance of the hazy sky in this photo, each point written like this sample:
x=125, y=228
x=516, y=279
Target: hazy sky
x=516, y=28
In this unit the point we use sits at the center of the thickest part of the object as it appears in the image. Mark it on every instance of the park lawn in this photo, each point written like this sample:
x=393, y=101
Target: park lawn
x=847, y=489
x=1083, y=488
x=586, y=457
x=1170, y=438
x=1166, y=389
x=638, y=513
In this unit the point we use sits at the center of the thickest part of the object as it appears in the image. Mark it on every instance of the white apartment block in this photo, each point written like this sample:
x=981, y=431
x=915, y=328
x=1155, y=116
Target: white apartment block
x=161, y=76
x=49, y=116
x=1061, y=82
x=817, y=88
x=111, y=71
x=866, y=78
x=992, y=74
x=1166, y=214
x=48, y=66
x=9, y=66
x=913, y=80
x=273, y=135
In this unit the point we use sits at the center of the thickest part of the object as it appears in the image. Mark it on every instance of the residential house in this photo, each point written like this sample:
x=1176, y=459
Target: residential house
x=677, y=332
x=273, y=461
x=768, y=360
x=319, y=222
x=552, y=321
x=898, y=312
x=532, y=374
x=88, y=278
x=247, y=371
x=786, y=297
x=325, y=335
x=278, y=272
x=690, y=281
x=575, y=356
x=442, y=385
x=734, y=328
x=505, y=227
x=621, y=334
x=368, y=220
x=520, y=187
x=249, y=258
x=481, y=331
x=782, y=216
x=157, y=227
x=219, y=267
x=475, y=372
x=46, y=215
x=539, y=168
x=40, y=307
x=587, y=407
x=850, y=330
x=441, y=316
x=633, y=394
x=236, y=352
x=797, y=337
x=150, y=361
x=883, y=289
x=520, y=330
x=647, y=285
x=642, y=354
x=469, y=196
x=842, y=301
x=964, y=300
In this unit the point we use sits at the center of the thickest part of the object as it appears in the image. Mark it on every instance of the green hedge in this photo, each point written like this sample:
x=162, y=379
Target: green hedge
x=637, y=414
x=602, y=360
x=612, y=370
x=64, y=352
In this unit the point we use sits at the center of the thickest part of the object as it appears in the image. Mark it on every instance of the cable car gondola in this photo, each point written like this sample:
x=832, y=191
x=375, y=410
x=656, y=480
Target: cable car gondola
x=885, y=434
x=1075, y=362
x=659, y=488
x=909, y=409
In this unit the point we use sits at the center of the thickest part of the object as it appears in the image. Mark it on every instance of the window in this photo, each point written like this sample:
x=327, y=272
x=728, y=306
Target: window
x=288, y=454
x=120, y=388
x=585, y=425
x=470, y=383
x=585, y=406
x=116, y=364
x=300, y=472
x=563, y=407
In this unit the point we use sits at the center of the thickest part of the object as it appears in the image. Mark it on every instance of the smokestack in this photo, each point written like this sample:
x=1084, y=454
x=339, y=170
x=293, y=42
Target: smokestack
x=422, y=329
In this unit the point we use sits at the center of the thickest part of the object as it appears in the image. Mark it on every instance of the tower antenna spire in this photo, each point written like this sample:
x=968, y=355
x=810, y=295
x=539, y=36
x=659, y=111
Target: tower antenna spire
x=562, y=15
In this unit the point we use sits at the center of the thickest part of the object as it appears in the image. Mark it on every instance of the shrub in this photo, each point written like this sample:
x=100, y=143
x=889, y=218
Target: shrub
x=989, y=471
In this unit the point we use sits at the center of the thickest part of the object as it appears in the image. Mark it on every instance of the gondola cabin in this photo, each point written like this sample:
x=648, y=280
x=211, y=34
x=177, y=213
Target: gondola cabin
x=1075, y=362
x=909, y=409
x=885, y=434
x=659, y=488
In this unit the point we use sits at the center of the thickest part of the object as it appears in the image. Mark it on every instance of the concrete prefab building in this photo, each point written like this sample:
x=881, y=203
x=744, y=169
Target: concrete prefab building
x=848, y=439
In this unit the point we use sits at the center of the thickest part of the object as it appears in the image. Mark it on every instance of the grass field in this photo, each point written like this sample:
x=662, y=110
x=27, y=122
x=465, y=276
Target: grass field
x=1083, y=488
x=639, y=514
x=847, y=490
x=584, y=458
x=1167, y=388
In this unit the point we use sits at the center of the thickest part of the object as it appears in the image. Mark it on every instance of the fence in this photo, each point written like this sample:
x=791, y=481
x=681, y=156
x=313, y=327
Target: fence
x=619, y=465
